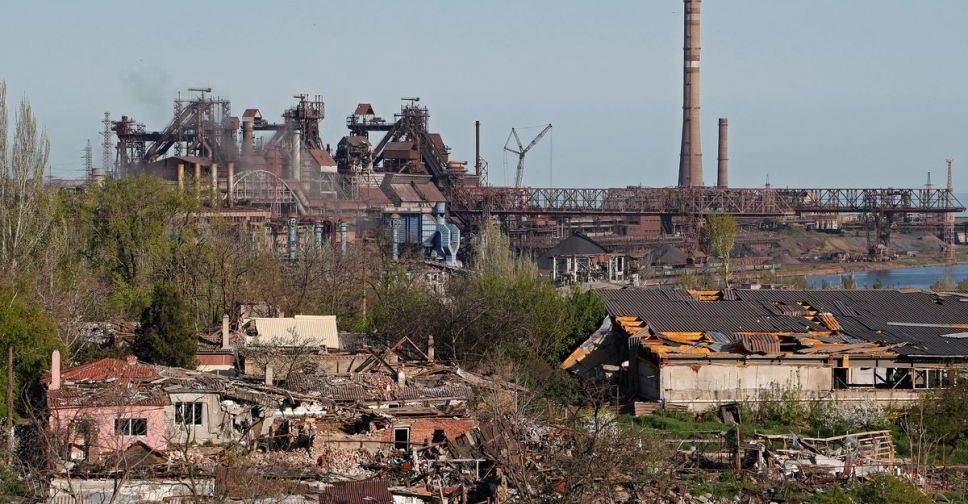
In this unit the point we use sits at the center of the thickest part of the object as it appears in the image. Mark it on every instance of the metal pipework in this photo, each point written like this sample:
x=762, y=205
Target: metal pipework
x=318, y=235
x=690, y=153
x=229, y=196
x=296, y=159
x=394, y=234
x=214, y=196
x=343, y=234
x=292, y=239
x=722, y=167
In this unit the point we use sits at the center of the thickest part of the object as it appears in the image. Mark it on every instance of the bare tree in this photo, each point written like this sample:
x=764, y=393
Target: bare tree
x=24, y=205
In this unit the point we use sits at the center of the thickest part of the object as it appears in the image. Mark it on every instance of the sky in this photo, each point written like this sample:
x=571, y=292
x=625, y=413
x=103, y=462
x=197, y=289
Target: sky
x=819, y=93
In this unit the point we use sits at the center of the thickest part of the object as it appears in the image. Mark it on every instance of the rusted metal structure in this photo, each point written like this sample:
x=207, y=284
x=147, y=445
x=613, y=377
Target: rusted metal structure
x=406, y=178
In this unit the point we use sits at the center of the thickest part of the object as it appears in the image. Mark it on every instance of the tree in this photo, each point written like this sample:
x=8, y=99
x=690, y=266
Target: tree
x=24, y=204
x=136, y=230
x=166, y=335
x=29, y=330
x=848, y=281
x=720, y=233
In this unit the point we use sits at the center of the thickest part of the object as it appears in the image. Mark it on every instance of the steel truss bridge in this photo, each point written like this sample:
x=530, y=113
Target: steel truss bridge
x=880, y=207
x=766, y=202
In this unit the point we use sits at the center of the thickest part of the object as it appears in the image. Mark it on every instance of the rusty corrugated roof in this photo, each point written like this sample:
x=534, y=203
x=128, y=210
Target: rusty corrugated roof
x=760, y=343
x=374, y=491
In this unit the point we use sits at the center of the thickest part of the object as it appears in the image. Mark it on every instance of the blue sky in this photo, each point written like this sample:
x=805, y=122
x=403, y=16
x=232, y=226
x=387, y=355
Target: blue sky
x=817, y=92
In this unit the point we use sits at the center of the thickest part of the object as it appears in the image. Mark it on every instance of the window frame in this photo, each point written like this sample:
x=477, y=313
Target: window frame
x=126, y=426
x=401, y=445
x=197, y=413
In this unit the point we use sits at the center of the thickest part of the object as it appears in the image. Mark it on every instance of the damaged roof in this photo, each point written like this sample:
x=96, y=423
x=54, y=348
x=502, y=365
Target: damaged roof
x=114, y=382
x=911, y=323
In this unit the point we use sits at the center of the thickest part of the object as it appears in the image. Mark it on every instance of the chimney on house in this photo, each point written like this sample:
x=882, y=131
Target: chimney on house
x=225, y=332
x=269, y=376
x=55, y=370
x=401, y=378
x=132, y=360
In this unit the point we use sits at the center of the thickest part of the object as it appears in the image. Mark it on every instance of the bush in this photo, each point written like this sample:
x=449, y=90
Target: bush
x=166, y=335
x=884, y=489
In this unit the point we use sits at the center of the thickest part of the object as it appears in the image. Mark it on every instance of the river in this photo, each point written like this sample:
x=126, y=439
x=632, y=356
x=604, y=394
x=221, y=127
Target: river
x=918, y=277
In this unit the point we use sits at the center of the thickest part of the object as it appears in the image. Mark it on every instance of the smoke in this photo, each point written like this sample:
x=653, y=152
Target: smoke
x=150, y=87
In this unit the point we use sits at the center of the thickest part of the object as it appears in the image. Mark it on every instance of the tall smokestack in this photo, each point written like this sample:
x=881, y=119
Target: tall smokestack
x=690, y=154
x=722, y=171
x=477, y=148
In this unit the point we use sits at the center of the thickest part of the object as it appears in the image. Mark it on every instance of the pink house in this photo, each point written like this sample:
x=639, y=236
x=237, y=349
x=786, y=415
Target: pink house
x=101, y=407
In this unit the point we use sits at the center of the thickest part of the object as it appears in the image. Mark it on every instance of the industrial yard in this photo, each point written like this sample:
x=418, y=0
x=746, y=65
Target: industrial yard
x=262, y=286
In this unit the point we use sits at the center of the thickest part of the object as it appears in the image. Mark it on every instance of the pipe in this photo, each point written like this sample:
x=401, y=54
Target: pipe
x=477, y=148
x=181, y=177
x=722, y=171
x=343, y=234
x=394, y=232
x=230, y=192
x=214, y=185
x=690, y=153
x=296, y=159
x=292, y=239
x=198, y=178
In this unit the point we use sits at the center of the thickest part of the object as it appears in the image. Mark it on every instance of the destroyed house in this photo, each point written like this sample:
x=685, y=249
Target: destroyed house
x=108, y=405
x=700, y=349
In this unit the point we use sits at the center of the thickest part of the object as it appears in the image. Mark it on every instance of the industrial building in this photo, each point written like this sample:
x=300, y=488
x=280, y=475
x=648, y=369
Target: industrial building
x=396, y=179
x=702, y=349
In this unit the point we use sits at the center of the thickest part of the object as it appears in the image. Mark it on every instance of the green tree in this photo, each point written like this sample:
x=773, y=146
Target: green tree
x=848, y=281
x=688, y=280
x=31, y=333
x=166, y=335
x=720, y=234
x=136, y=229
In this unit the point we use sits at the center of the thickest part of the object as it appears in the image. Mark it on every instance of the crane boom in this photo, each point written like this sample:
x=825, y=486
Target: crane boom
x=522, y=151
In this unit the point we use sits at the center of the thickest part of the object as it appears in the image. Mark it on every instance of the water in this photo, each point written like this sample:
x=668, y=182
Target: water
x=921, y=278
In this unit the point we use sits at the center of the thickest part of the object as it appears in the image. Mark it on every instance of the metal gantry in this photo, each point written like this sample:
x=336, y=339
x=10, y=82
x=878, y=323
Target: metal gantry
x=698, y=200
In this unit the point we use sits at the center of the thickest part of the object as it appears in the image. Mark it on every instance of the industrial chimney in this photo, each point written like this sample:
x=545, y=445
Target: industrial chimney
x=722, y=172
x=690, y=154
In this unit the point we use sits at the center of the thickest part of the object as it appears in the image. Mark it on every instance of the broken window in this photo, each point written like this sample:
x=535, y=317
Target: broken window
x=401, y=438
x=188, y=413
x=131, y=426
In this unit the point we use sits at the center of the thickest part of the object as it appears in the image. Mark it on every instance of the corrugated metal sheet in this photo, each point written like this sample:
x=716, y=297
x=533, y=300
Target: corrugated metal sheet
x=667, y=311
x=358, y=492
x=760, y=343
x=301, y=330
x=861, y=315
